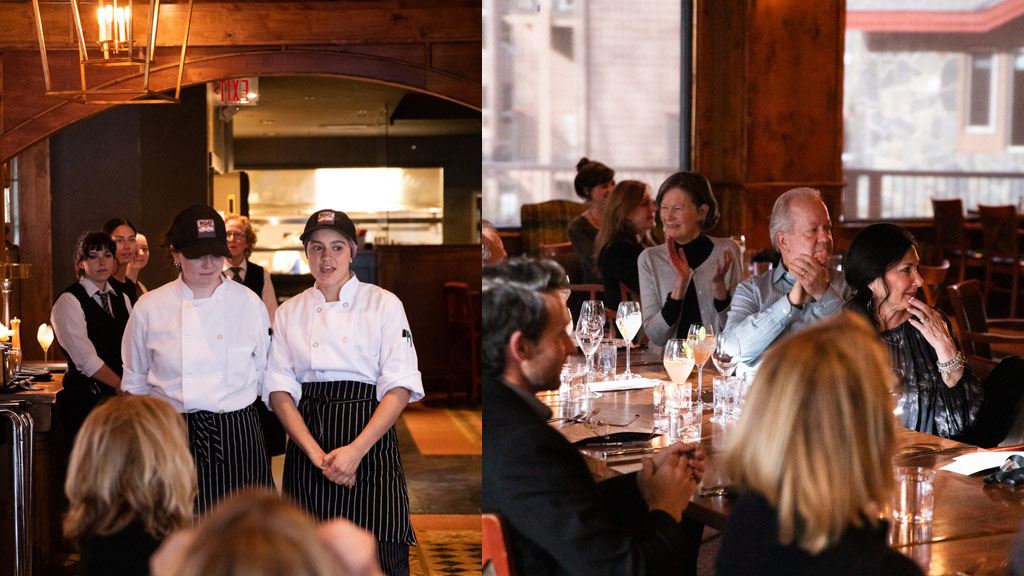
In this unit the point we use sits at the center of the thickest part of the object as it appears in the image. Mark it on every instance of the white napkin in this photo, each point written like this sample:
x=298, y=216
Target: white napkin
x=975, y=462
x=631, y=384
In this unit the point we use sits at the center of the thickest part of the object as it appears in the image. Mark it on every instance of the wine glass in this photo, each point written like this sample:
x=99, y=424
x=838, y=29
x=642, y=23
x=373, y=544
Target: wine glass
x=724, y=356
x=678, y=360
x=45, y=337
x=628, y=319
x=595, y=308
x=589, y=332
x=565, y=291
x=702, y=338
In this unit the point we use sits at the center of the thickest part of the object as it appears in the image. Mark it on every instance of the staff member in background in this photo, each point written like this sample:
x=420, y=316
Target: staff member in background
x=123, y=233
x=200, y=343
x=88, y=321
x=139, y=262
x=238, y=267
x=342, y=368
x=241, y=239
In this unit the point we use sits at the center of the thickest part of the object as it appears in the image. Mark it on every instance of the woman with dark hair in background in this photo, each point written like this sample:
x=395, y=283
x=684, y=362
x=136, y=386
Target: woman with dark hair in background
x=624, y=234
x=594, y=182
x=691, y=279
x=139, y=262
x=123, y=232
x=939, y=392
x=88, y=321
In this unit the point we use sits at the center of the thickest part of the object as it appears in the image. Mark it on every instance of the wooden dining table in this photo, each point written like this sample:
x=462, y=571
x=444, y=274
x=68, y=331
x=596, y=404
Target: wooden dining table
x=974, y=528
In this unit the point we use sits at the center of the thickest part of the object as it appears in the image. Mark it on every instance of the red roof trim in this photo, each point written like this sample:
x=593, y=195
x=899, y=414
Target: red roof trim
x=909, y=21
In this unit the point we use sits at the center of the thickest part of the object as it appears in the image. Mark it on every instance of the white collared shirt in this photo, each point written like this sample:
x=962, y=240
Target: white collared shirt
x=268, y=296
x=197, y=354
x=364, y=337
x=70, y=328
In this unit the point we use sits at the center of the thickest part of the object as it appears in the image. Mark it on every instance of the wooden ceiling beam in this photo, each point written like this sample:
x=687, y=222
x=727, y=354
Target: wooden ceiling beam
x=259, y=23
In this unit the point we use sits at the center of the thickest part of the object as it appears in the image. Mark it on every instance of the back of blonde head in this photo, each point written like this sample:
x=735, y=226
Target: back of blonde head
x=817, y=435
x=257, y=533
x=130, y=464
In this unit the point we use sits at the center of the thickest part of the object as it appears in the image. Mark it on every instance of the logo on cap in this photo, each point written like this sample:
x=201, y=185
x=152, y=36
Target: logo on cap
x=205, y=228
x=325, y=218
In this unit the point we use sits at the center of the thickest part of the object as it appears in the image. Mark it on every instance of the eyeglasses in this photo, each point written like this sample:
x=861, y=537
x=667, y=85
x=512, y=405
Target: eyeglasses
x=672, y=209
x=230, y=235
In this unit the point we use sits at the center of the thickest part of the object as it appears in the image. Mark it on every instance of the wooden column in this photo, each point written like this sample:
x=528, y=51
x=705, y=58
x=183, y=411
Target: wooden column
x=768, y=105
x=36, y=248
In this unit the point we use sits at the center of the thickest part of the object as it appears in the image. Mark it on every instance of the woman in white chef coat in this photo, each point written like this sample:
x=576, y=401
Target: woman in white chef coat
x=200, y=343
x=342, y=368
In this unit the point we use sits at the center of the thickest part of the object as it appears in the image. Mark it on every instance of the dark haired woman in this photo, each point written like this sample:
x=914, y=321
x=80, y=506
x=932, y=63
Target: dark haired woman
x=88, y=320
x=691, y=278
x=594, y=182
x=200, y=343
x=123, y=232
x=624, y=234
x=940, y=394
x=342, y=368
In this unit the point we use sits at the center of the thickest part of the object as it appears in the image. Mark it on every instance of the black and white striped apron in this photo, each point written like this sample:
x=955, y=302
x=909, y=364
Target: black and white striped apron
x=229, y=453
x=336, y=413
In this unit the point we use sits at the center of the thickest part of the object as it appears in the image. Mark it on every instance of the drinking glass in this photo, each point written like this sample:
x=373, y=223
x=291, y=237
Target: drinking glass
x=589, y=332
x=678, y=360
x=726, y=345
x=628, y=319
x=566, y=291
x=702, y=339
x=45, y=337
x=594, y=308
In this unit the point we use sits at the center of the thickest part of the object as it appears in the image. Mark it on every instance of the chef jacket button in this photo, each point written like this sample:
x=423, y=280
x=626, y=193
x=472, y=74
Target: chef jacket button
x=315, y=344
x=345, y=305
x=220, y=336
x=188, y=376
x=188, y=338
x=318, y=309
x=220, y=411
x=220, y=375
x=345, y=339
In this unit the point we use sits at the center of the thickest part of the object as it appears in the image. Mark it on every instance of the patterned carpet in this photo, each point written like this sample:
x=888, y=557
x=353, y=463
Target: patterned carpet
x=449, y=544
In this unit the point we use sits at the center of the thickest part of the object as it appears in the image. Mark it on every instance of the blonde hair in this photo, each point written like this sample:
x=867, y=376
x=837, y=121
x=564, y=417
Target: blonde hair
x=817, y=434
x=257, y=533
x=130, y=464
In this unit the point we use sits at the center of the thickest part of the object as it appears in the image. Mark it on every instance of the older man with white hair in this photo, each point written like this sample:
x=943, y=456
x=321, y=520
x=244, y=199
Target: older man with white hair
x=801, y=291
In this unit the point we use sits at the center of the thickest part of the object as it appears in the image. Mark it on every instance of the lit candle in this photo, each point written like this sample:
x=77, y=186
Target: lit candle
x=108, y=19
x=16, y=328
x=100, y=21
x=122, y=35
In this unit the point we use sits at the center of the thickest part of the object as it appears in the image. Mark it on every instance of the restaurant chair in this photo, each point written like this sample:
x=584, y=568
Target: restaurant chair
x=1000, y=232
x=495, y=544
x=975, y=327
x=463, y=336
x=952, y=235
x=933, y=277
x=546, y=223
x=567, y=258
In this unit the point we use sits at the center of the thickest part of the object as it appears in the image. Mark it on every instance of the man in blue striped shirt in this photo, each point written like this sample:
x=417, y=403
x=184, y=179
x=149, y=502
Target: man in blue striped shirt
x=800, y=291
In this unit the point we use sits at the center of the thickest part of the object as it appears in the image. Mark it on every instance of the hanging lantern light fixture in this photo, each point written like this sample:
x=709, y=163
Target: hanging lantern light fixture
x=114, y=46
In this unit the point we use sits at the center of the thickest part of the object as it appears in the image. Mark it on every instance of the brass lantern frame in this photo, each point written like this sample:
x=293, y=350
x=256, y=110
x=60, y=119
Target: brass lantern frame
x=100, y=95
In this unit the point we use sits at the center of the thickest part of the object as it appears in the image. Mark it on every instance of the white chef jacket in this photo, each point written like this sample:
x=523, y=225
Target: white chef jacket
x=71, y=329
x=363, y=337
x=197, y=354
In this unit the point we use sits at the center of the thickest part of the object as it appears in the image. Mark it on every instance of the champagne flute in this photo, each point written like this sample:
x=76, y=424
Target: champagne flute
x=678, y=360
x=724, y=356
x=702, y=338
x=45, y=337
x=589, y=332
x=628, y=319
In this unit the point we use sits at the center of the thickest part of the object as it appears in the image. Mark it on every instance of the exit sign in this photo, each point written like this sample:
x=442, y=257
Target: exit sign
x=237, y=92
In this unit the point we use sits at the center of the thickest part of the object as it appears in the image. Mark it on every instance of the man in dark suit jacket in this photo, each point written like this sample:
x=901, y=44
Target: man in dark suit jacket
x=561, y=521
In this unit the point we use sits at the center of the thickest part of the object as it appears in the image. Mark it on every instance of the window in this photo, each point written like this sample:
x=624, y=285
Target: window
x=1017, y=104
x=981, y=96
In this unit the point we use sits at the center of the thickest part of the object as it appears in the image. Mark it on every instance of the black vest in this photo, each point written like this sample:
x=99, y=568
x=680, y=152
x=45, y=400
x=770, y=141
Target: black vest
x=104, y=332
x=127, y=287
x=254, y=278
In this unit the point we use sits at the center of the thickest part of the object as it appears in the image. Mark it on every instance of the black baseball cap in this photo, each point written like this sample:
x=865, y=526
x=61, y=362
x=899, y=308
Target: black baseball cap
x=333, y=219
x=199, y=231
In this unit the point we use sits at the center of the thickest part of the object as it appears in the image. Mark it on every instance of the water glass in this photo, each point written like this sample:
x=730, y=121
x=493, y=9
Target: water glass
x=690, y=416
x=726, y=390
x=569, y=377
x=605, y=361
x=914, y=500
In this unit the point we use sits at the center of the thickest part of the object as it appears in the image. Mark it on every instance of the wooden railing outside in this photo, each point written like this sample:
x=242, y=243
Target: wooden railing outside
x=884, y=194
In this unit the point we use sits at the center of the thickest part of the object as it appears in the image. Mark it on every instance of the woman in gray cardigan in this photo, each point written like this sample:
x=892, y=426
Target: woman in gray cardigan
x=689, y=279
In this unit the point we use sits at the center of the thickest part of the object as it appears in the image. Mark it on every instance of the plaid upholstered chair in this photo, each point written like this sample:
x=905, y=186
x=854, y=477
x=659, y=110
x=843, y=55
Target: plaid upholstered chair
x=546, y=223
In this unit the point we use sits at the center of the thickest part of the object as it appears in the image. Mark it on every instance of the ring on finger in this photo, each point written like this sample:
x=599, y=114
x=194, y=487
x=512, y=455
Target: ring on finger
x=924, y=320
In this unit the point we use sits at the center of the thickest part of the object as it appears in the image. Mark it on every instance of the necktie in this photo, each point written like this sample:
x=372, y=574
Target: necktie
x=105, y=300
x=236, y=273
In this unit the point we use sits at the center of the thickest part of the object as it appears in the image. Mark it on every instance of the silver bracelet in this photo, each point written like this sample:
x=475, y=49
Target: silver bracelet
x=953, y=365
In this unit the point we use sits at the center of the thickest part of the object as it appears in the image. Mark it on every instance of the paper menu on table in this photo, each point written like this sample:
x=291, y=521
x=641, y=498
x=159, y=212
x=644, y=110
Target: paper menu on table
x=975, y=462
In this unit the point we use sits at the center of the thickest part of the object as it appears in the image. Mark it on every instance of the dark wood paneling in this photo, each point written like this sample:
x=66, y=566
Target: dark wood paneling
x=416, y=274
x=36, y=248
